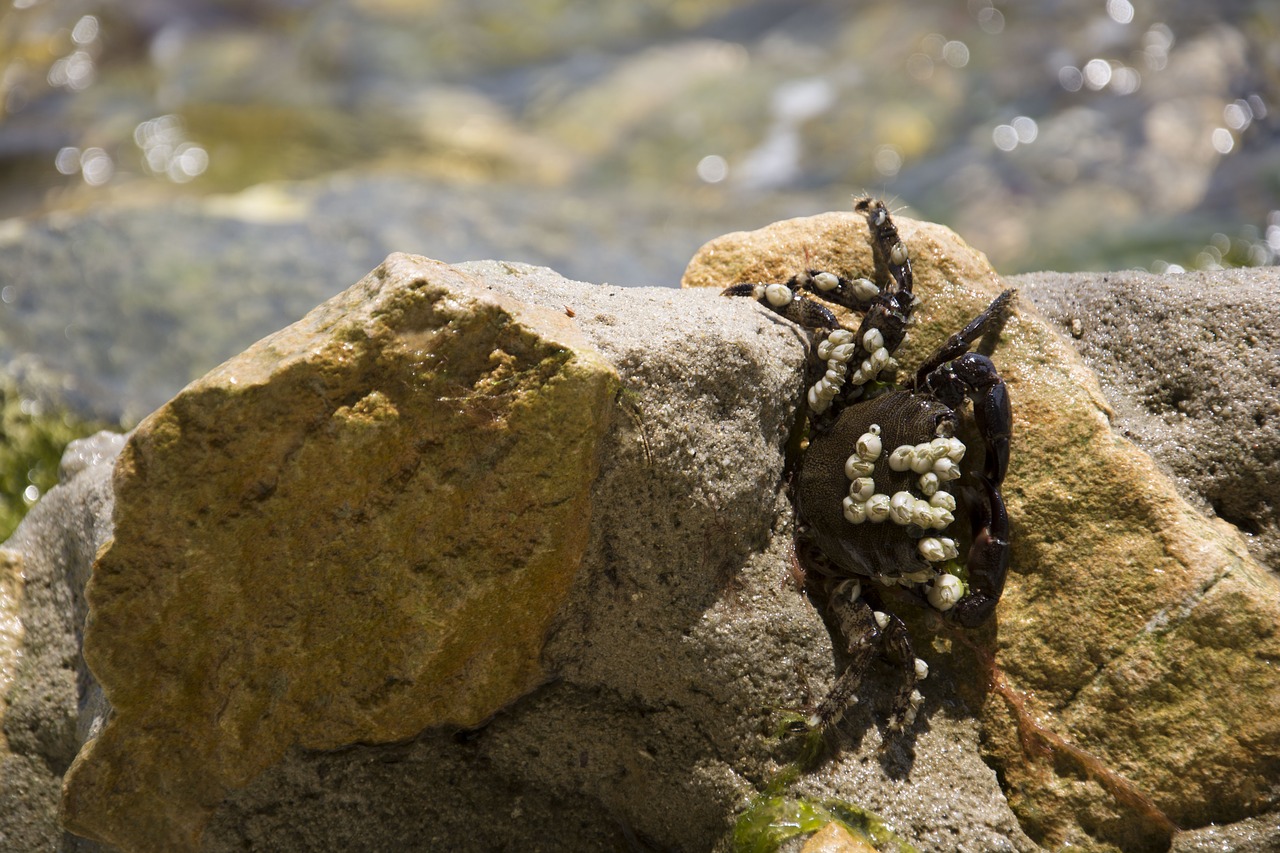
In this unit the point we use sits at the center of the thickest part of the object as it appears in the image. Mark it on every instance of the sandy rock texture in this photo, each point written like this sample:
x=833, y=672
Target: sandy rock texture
x=1191, y=364
x=478, y=557
x=645, y=711
x=680, y=640
x=358, y=528
x=1132, y=625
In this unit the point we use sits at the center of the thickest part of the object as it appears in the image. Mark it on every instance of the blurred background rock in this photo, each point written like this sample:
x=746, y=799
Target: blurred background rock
x=181, y=177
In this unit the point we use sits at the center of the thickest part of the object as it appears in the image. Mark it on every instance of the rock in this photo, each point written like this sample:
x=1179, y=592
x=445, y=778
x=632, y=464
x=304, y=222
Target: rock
x=43, y=569
x=1255, y=835
x=370, y=517
x=1131, y=624
x=669, y=638
x=1191, y=363
x=833, y=838
x=200, y=280
x=676, y=637
x=680, y=637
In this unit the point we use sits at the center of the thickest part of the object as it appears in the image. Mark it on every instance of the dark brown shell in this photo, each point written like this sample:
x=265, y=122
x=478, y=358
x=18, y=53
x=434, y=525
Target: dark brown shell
x=869, y=549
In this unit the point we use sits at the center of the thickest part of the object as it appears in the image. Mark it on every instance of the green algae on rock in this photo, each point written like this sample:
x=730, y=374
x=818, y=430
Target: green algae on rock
x=1129, y=623
x=358, y=528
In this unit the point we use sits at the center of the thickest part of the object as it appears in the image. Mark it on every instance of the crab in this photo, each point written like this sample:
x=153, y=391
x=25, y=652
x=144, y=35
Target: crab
x=897, y=480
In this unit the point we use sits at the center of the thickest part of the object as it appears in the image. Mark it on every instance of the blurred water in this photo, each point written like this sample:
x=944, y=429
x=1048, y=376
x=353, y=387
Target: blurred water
x=608, y=140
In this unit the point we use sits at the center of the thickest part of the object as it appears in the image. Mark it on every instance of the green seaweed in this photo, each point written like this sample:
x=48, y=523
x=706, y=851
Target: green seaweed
x=33, y=436
x=771, y=820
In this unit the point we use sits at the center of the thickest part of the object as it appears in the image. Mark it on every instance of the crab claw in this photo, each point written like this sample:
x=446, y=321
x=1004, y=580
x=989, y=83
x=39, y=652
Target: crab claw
x=988, y=560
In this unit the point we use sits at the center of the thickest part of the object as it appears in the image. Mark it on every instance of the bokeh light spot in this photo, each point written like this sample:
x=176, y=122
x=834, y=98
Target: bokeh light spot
x=1223, y=141
x=1120, y=11
x=713, y=169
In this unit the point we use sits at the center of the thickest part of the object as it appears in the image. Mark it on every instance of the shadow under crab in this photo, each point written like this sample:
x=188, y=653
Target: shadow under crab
x=888, y=469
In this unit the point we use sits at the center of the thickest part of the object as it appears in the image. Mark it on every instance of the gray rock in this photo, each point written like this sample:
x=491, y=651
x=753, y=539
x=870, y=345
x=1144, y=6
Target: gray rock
x=1255, y=835
x=53, y=705
x=1191, y=364
x=684, y=634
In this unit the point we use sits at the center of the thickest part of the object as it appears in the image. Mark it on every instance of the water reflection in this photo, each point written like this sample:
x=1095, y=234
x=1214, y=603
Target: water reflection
x=166, y=150
x=1159, y=111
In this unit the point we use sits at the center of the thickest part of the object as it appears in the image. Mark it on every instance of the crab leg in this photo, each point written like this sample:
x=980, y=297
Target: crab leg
x=988, y=560
x=974, y=375
x=959, y=343
x=857, y=625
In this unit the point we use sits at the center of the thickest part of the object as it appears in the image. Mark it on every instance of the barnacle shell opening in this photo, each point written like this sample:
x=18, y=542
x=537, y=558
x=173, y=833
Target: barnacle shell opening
x=826, y=281
x=945, y=591
x=865, y=289
x=862, y=488
x=778, y=295
x=868, y=445
x=855, y=466
x=878, y=508
x=937, y=549
x=855, y=511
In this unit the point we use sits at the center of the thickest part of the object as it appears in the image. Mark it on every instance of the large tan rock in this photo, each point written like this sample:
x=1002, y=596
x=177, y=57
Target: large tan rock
x=358, y=528
x=1128, y=682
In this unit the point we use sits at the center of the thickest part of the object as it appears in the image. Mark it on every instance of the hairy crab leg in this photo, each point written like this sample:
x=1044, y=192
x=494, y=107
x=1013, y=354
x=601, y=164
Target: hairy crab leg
x=858, y=626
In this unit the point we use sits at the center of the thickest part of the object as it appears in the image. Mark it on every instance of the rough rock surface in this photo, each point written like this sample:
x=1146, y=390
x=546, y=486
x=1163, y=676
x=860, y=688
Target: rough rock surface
x=680, y=635
x=47, y=701
x=293, y=562
x=1191, y=363
x=679, y=638
x=1131, y=624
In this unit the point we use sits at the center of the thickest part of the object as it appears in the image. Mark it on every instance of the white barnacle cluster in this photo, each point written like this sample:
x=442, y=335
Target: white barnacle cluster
x=837, y=351
x=863, y=288
x=935, y=461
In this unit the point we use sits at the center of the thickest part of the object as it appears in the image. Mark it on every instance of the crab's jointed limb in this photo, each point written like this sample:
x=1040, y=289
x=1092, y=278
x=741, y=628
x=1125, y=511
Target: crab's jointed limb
x=949, y=375
x=842, y=361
